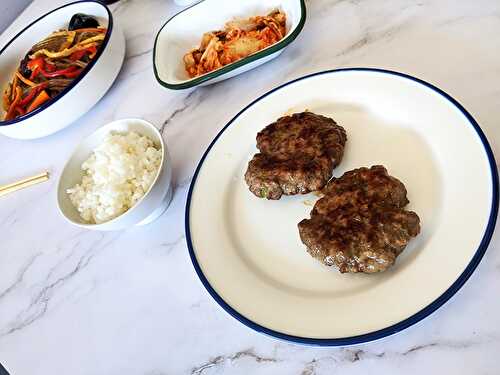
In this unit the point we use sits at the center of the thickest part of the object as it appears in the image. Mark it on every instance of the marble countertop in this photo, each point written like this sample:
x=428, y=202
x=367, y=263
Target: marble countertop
x=79, y=302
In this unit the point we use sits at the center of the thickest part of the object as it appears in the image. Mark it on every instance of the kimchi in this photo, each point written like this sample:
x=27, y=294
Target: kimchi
x=239, y=39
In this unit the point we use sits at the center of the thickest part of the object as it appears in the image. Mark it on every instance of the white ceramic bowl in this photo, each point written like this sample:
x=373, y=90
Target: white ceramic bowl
x=183, y=32
x=152, y=204
x=84, y=92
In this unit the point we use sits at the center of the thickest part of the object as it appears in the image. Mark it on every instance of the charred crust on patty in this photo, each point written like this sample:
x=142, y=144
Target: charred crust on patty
x=360, y=224
x=297, y=155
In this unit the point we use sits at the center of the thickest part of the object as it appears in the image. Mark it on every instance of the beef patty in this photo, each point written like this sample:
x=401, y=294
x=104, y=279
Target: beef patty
x=297, y=155
x=360, y=224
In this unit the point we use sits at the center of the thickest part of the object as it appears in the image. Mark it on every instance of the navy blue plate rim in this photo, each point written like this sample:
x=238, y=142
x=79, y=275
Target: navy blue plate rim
x=408, y=322
x=79, y=77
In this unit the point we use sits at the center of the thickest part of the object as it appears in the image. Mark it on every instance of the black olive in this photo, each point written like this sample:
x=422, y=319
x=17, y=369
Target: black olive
x=25, y=71
x=82, y=21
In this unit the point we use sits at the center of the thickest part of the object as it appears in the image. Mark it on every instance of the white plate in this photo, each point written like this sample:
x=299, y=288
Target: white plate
x=183, y=32
x=247, y=251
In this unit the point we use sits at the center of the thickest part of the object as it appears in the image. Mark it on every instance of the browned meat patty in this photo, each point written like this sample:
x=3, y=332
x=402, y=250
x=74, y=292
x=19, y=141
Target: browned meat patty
x=360, y=224
x=297, y=155
x=270, y=178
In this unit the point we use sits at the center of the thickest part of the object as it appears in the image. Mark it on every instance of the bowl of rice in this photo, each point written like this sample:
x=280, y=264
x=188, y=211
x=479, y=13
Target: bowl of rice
x=120, y=176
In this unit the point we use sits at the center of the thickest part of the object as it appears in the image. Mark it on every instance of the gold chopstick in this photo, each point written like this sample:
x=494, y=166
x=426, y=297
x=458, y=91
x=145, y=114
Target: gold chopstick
x=10, y=188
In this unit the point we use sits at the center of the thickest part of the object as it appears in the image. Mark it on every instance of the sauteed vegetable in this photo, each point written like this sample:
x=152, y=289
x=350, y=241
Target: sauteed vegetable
x=51, y=65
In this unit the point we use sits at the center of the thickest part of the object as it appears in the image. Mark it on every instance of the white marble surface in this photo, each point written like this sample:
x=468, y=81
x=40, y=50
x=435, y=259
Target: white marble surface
x=80, y=302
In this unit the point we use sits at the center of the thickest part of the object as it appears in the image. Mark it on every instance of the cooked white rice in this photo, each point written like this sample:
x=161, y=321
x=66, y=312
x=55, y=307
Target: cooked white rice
x=117, y=174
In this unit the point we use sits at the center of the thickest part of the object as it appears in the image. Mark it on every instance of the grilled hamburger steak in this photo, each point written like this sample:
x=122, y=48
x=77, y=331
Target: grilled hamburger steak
x=297, y=155
x=360, y=224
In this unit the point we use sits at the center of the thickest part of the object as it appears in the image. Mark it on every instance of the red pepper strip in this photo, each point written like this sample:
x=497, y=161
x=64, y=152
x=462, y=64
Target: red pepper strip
x=39, y=100
x=77, y=55
x=69, y=72
x=32, y=64
x=35, y=72
x=38, y=65
x=19, y=111
x=93, y=51
x=35, y=66
x=50, y=67
x=33, y=92
x=73, y=74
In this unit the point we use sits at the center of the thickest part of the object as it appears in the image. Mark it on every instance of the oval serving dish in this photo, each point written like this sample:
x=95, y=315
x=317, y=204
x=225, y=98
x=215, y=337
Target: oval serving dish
x=85, y=90
x=183, y=32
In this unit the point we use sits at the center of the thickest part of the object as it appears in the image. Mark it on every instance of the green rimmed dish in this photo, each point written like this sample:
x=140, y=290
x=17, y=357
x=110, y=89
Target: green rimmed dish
x=183, y=32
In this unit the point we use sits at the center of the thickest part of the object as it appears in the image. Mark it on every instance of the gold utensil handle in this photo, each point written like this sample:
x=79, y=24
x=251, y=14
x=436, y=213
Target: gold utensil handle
x=10, y=188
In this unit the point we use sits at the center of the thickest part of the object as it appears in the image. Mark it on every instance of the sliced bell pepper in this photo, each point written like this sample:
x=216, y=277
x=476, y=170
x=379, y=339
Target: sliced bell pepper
x=35, y=65
x=93, y=51
x=38, y=62
x=39, y=66
x=73, y=74
x=50, y=67
x=77, y=55
x=34, y=72
x=39, y=100
x=70, y=72
x=19, y=111
x=33, y=92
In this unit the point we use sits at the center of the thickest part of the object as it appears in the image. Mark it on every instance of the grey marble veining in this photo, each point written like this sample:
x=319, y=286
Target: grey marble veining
x=79, y=302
